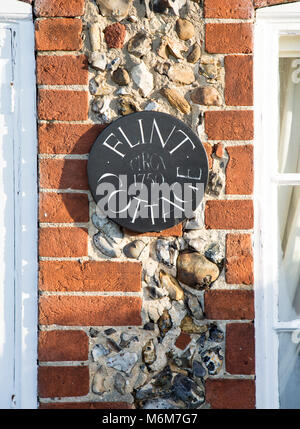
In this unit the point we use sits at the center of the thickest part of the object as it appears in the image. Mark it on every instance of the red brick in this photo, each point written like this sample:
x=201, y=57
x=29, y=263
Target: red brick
x=175, y=231
x=67, y=138
x=63, y=346
x=229, y=214
x=219, y=150
x=86, y=406
x=106, y=276
x=63, y=105
x=58, y=34
x=63, y=174
x=240, y=349
x=63, y=242
x=62, y=70
x=230, y=394
x=229, y=304
x=59, y=7
x=62, y=381
x=90, y=310
x=183, y=340
x=233, y=9
x=229, y=125
x=239, y=170
x=263, y=3
x=239, y=80
x=239, y=259
x=115, y=35
x=208, y=149
x=229, y=38
x=63, y=208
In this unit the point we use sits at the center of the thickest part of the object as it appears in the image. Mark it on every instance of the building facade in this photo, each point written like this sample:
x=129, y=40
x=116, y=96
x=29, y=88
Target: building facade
x=158, y=320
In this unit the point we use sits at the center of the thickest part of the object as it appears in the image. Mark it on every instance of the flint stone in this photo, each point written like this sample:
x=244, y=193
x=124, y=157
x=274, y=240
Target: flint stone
x=213, y=360
x=149, y=326
x=121, y=76
x=107, y=227
x=106, y=245
x=113, y=345
x=98, y=60
x=98, y=386
x=182, y=74
x=194, y=270
x=188, y=326
x=134, y=249
x=123, y=361
x=171, y=284
x=164, y=323
x=160, y=404
x=99, y=351
x=185, y=29
x=215, y=334
x=176, y=100
x=142, y=78
x=207, y=96
x=198, y=369
x=187, y=391
x=128, y=105
x=139, y=45
x=109, y=331
x=174, y=47
x=120, y=383
x=93, y=333
x=126, y=339
x=195, y=54
x=195, y=307
x=117, y=9
x=166, y=251
x=149, y=354
x=95, y=40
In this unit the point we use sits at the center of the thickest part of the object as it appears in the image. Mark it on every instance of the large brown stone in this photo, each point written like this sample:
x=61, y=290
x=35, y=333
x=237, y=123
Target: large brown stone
x=206, y=95
x=176, y=100
x=195, y=270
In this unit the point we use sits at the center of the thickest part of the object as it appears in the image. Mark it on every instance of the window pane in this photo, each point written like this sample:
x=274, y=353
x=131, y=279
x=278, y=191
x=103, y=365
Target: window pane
x=289, y=369
x=289, y=252
x=289, y=136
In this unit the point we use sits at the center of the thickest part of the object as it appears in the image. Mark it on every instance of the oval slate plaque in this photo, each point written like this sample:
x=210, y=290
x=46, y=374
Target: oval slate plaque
x=147, y=171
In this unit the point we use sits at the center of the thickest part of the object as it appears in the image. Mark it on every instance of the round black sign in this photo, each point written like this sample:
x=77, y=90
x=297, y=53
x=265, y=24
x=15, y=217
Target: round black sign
x=147, y=171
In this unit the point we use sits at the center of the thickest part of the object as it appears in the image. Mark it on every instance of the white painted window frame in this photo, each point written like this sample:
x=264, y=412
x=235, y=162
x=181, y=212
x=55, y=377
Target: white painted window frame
x=271, y=22
x=18, y=16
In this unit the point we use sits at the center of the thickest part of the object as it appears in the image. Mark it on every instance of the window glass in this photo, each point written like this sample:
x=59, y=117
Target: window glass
x=289, y=369
x=289, y=252
x=289, y=99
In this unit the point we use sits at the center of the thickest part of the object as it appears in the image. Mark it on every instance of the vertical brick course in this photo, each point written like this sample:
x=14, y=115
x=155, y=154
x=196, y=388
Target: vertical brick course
x=230, y=394
x=62, y=381
x=58, y=34
x=59, y=7
x=229, y=38
x=234, y=9
x=63, y=346
x=239, y=170
x=62, y=70
x=239, y=80
x=239, y=259
x=240, y=348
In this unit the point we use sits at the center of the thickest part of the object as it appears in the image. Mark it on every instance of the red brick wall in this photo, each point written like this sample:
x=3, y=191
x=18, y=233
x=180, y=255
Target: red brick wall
x=66, y=273
x=64, y=215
